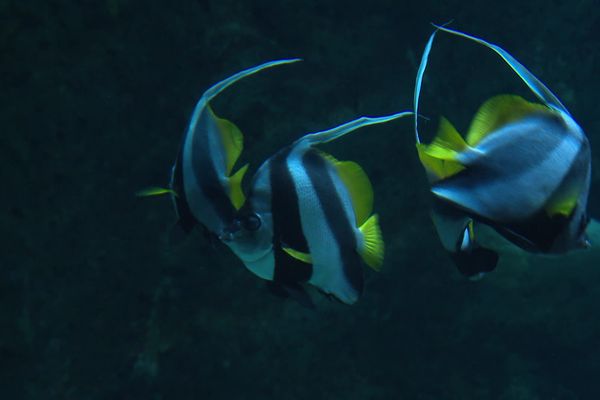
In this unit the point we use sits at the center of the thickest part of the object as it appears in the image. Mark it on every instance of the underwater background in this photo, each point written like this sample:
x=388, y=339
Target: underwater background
x=95, y=304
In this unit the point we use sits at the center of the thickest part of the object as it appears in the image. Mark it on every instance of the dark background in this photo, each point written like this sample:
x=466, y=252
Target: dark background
x=94, y=97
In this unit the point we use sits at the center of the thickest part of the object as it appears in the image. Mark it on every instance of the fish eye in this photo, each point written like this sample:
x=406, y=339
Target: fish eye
x=252, y=222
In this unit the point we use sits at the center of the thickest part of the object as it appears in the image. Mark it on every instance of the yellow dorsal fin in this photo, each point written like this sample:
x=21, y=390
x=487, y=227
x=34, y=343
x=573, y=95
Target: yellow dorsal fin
x=155, y=191
x=439, y=157
x=358, y=185
x=236, y=194
x=373, y=247
x=298, y=255
x=232, y=139
x=498, y=111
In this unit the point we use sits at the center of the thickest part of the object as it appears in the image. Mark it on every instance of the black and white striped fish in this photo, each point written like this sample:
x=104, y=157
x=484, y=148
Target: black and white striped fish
x=309, y=218
x=523, y=169
x=203, y=186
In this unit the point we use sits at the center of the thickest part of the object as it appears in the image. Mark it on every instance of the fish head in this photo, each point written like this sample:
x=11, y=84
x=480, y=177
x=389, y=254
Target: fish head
x=250, y=233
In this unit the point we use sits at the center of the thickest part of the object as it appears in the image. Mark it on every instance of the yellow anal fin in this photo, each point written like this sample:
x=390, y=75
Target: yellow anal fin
x=155, y=191
x=440, y=157
x=298, y=255
x=232, y=140
x=236, y=194
x=373, y=248
x=498, y=111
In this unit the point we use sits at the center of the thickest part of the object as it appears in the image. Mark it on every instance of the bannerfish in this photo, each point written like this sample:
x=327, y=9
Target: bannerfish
x=309, y=219
x=203, y=186
x=522, y=171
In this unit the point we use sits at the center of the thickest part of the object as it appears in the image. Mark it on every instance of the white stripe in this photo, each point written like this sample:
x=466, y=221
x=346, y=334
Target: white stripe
x=328, y=272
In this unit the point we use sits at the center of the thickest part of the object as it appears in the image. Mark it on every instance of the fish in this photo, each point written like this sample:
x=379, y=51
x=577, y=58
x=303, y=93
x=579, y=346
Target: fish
x=204, y=189
x=309, y=219
x=521, y=174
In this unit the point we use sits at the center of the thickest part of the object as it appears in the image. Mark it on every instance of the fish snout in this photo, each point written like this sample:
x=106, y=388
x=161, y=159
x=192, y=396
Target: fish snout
x=230, y=231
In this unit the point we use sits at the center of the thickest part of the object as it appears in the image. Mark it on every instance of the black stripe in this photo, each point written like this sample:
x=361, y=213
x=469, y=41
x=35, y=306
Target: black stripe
x=287, y=227
x=317, y=169
x=205, y=172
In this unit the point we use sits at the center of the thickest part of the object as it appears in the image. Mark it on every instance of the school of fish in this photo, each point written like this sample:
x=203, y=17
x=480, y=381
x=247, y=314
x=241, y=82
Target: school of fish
x=519, y=178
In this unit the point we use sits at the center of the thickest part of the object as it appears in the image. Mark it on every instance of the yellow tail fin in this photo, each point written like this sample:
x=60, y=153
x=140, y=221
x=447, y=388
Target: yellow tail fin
x=373, y=247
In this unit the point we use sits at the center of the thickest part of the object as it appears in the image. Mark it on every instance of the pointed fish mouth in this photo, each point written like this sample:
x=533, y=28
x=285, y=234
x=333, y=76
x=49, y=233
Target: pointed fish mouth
x=227, y=236
x=230, y=232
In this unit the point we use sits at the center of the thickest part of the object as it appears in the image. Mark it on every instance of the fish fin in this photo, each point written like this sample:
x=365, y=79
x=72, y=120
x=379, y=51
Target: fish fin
x=498, y=111
x=373, y=247
x=533, y=83
x=419, y=81
x=236, y=193
x=298, y=255
x=341, y=130
x=562, y=205
x=225, y=83
x=155, y=191
x=440, y=156
x=231, y=138
x=358, y=185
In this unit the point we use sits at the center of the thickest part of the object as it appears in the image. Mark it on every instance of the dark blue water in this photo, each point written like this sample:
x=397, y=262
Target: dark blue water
x=95, y=304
